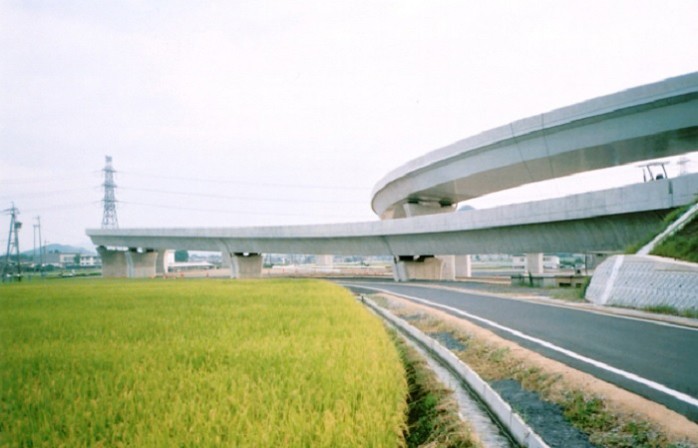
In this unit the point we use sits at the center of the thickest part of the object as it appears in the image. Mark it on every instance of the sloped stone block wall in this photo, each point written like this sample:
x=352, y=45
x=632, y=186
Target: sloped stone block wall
x=639, y=281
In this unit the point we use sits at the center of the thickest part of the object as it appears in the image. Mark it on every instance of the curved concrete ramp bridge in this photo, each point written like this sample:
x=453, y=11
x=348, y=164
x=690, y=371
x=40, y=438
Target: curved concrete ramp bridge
x=642, y=123
x=647, y=122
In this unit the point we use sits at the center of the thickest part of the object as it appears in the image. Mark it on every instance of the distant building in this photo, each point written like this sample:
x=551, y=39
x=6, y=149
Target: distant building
x=72, y=259
x=551, y=262
x=90, y=260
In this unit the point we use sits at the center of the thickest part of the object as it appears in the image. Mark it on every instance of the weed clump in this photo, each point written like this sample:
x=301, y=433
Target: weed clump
x=606, y=429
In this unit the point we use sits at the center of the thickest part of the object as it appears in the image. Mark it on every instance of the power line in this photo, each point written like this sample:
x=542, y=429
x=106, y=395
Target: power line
x=241, y=198
x=47, y=179
x=234, y=212
x=237, y=182
x=63, y=206
x=34, y=194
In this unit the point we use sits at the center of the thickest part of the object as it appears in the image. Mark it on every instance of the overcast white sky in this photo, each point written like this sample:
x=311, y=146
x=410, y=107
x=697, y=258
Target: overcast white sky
x=237, y=113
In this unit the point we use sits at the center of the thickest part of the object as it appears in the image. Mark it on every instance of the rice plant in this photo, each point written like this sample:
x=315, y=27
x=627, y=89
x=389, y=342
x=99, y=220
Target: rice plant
x=195, y=363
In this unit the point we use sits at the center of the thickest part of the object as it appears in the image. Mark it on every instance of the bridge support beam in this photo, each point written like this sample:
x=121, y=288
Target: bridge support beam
x=243, y=265
x=426, y=267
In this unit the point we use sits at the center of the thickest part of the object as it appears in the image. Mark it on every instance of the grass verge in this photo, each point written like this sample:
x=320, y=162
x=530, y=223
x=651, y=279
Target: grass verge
x=605, y=425
x=672, y=311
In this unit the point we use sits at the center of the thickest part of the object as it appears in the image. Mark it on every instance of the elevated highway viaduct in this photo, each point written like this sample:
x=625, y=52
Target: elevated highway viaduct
x=647, y=122
x=595, y=221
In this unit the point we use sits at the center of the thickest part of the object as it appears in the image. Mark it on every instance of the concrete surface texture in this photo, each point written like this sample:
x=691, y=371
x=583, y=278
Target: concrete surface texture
x=647, y=122
x=639, y=281
x=596, y=221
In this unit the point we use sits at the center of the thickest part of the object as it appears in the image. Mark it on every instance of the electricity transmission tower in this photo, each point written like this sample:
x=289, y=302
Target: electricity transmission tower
x=109, y=219
x=12, y=246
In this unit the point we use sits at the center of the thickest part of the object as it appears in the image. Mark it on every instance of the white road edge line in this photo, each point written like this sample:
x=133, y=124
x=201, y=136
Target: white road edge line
x=601, y=365
x=598, y=311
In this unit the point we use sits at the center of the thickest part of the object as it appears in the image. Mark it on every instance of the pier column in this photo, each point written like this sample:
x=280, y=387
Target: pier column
x=534, y=263
x=464, y=266
x=131, y=263
x=245, y=265
x=422, y=267
x=140, y=263
x=113, y=262
x=163, y=261
x=426, y=267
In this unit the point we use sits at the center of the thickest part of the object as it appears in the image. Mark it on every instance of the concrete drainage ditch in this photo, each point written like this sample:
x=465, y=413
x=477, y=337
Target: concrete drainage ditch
x=495, y=421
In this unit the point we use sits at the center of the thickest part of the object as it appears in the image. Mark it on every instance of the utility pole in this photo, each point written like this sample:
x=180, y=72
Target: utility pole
x=34, y=241
x=37, y=233
x=12, y=246
x=109, y=219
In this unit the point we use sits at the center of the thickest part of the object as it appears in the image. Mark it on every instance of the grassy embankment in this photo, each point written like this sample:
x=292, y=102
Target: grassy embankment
x=683, y=245
x=195, y=363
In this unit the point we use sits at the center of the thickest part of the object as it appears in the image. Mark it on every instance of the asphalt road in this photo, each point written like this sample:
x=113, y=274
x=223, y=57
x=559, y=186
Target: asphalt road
x=662, y=356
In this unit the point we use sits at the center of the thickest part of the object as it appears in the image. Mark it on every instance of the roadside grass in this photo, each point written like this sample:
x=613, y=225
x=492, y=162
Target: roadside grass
x=571, y=294
x=585, y=411
x=673, y=311
x=195, y=363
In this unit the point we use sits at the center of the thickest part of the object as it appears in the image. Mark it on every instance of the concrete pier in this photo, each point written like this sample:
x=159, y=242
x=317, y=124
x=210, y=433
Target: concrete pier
x=534, y=263
x=141, y=263
x=113, y=262
x=131, y=263
x=245, y=265
x=161, y=262
x=463, y=266
x=441, y=267
x=422, y=267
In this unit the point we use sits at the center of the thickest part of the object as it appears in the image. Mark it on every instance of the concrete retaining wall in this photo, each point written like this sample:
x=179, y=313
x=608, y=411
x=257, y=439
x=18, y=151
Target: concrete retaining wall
x=639, y=281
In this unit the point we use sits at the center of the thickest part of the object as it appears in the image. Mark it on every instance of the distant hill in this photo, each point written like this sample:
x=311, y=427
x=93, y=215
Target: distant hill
x=62, y=248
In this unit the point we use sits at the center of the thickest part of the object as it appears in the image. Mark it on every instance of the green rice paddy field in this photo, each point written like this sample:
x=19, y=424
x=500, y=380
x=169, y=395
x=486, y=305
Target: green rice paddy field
x=195, y=363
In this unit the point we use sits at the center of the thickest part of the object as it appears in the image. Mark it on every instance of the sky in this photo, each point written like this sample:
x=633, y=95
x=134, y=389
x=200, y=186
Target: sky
x=246, y=113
